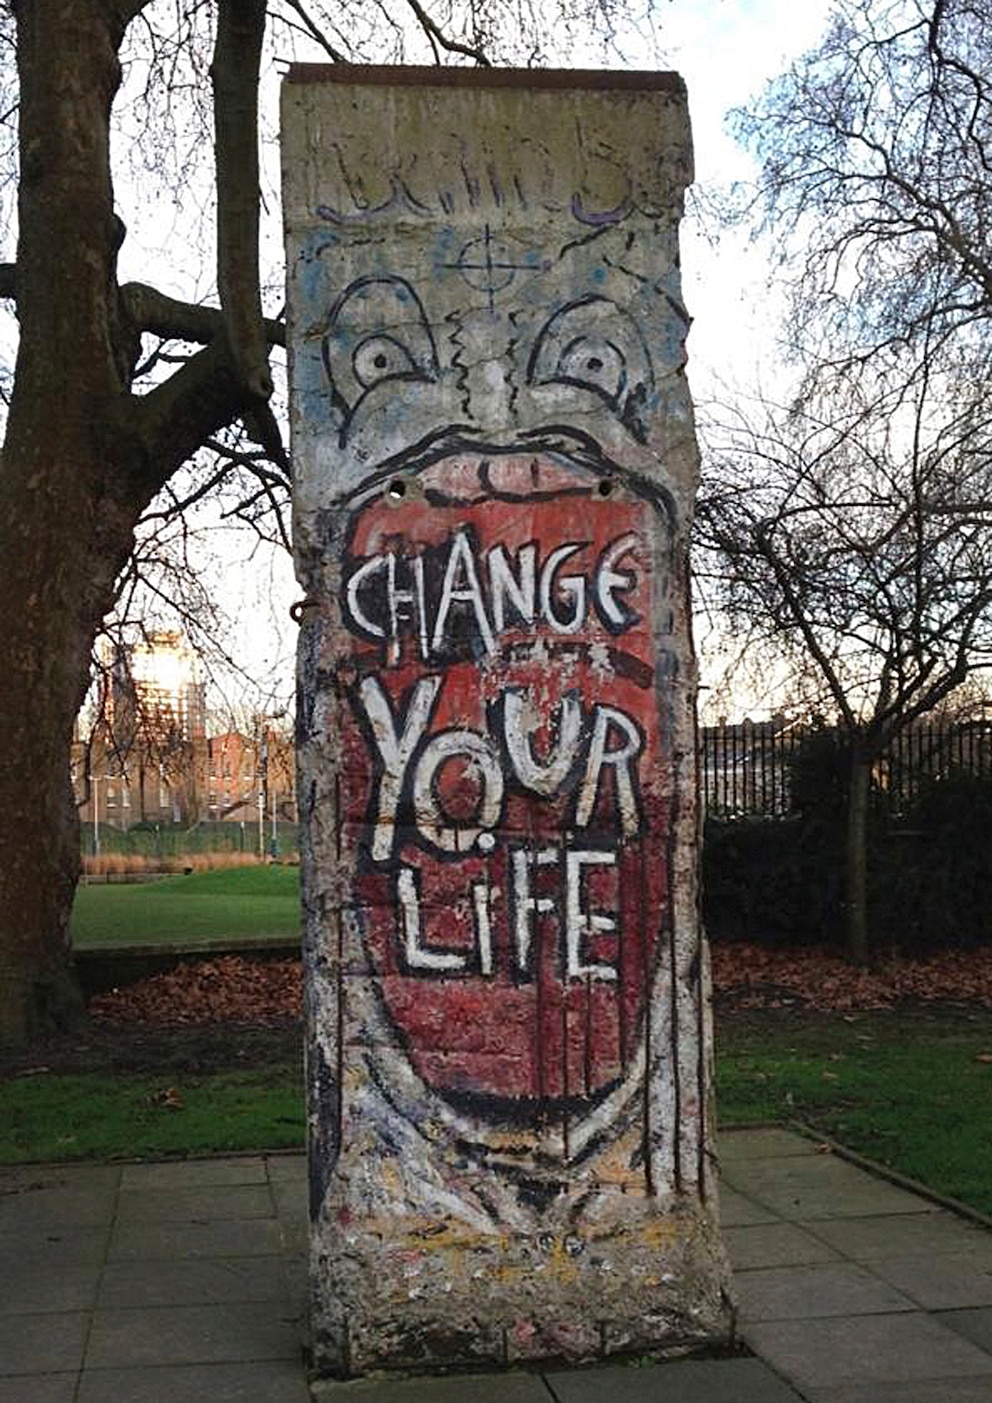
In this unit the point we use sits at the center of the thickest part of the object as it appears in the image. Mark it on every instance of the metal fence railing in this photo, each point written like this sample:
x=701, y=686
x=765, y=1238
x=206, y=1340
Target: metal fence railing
x=157, y=840
x=745, y=769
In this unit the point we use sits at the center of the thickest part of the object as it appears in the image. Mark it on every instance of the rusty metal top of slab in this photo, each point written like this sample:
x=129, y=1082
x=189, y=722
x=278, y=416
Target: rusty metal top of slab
x=410, y=75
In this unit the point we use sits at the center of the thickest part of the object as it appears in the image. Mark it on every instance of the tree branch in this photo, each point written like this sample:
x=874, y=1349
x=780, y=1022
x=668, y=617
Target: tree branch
x=315, y=32
x=152, y=311
x=436, y=35
x=235, y=71
x=156, y=433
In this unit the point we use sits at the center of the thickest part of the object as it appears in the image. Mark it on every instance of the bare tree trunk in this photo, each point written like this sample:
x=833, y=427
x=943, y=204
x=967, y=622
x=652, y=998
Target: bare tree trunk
x=39, y=838
x=856, y=856
x=81, y=460
x=56, y=515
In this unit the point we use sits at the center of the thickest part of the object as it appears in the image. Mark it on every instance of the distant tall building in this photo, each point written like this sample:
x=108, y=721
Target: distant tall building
x=148, y=758
x=156, y=695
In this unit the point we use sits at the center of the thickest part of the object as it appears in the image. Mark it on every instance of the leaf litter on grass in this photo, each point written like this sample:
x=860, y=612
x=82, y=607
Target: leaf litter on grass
x=235, y=989
x=228, y=989
x=749, y=976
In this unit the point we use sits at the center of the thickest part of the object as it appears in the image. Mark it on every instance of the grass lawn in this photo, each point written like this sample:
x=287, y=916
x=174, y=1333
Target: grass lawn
x=910, y=1090
x=106, y=1116
x=225, y=904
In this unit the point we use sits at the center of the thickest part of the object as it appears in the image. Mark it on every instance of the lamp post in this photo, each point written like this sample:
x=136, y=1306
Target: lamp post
x=274, y=838
x=270, y=787
x=95, y=796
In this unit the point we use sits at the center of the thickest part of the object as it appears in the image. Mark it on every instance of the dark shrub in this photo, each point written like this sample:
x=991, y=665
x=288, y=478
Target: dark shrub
x=772, y=879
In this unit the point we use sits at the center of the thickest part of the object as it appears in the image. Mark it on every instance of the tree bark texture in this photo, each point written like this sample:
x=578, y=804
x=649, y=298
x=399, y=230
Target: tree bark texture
x=54, y=510
x=81, y=460
x=240, y=30
x=856, y=856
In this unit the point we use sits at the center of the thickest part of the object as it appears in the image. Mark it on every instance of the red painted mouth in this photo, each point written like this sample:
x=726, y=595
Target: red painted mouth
x=505, y=780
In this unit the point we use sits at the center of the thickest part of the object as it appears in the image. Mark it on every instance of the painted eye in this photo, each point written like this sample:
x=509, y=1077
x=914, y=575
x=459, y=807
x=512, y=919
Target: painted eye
x=595, y=362
x=381, y=358
x=377, y=331
x=595, y=345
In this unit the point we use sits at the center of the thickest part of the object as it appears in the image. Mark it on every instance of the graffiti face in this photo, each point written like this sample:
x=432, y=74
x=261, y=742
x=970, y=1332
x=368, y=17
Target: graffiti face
x=504, y=775
x=502, y=560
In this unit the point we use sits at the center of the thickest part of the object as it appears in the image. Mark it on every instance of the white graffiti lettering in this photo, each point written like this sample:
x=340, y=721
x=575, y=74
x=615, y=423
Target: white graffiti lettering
x=461, y=561
x=525, y=904
x=477, y=754
x=395, y=750
x=391, y=596
x=569, y=586
x=620, y=760
x=610, y=581
x=517, y=589
x=419, y=956
x=578, y=921
x=519, y=720
x=405, y=748
x=566, y=908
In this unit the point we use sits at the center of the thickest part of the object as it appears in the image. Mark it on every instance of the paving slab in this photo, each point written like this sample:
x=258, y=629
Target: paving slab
x=775, y=1245
x=195, y=1202
x=187, y=1173
x=58, y=1207
x=762, y=1143
x=701, y=1380
x=42, y=1344
x=811, y=1292
x=977, y=1390
x=211, y=1334
x=295, y=1235
x=39, y=1388
x=200, y=1281
x=739, y=1211
x=15, y=1177
x=291, y=1198
x=974, y=1325
x=905, y=1235
x=274, y=1381
x=191, y=1297
x=286, y=1167
x=479, y=1388
x=28, y=1290
x=24, y=1245
x=944, y=1281
x=845, y=1350
x=820, y=1186
x=232, y=1237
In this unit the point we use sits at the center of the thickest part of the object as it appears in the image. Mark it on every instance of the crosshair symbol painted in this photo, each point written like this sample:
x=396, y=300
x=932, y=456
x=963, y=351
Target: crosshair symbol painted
x=488, y=265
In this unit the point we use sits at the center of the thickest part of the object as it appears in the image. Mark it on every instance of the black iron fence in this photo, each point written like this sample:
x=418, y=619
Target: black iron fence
x=746, y=769
x=167, y=840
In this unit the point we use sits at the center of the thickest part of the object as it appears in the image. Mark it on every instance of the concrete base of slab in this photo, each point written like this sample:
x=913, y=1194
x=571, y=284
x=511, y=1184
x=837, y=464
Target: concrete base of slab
x=452, y=1301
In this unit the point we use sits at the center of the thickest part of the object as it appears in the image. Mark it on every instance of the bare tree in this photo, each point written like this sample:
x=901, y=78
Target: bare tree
x=875, y=154
x=90, y=440
x=849, y=531
x=853, y=541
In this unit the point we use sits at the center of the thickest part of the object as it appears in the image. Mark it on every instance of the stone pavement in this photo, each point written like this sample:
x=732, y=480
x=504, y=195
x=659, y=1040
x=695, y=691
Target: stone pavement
x=180, y=1282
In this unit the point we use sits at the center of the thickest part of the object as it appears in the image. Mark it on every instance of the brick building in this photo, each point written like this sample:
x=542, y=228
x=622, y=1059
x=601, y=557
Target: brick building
x=150, y=756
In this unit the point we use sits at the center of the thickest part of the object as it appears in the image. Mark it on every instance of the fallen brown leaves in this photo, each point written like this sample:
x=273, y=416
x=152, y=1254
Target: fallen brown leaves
x=228, y=989
x=231, y=989
x=750, y=976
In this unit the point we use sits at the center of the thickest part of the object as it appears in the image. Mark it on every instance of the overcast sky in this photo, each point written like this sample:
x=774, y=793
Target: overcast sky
x=725, y=50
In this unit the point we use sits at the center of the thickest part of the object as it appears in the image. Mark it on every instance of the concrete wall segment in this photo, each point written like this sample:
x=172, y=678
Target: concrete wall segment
x=495, y=466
